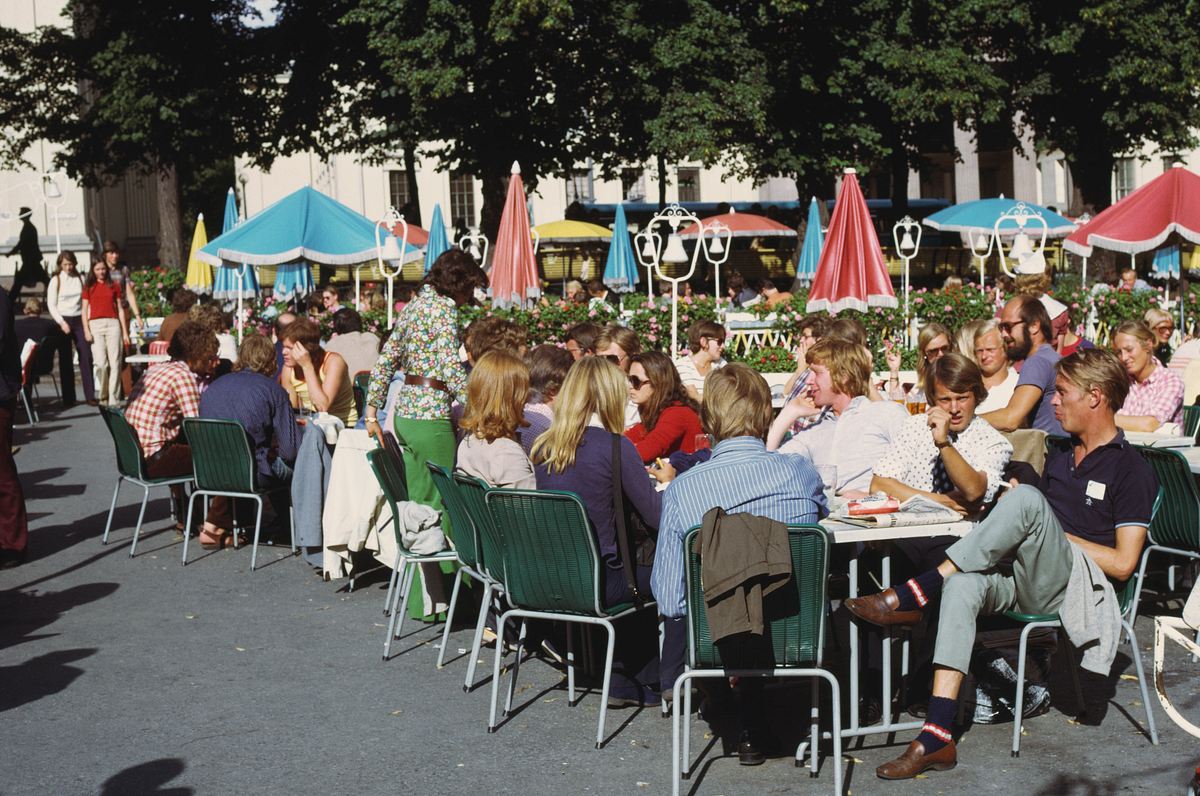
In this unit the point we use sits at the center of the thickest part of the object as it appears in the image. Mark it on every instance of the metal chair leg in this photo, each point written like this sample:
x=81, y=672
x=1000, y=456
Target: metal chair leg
x=257, y=531
x=496, y=661
x=608, y=664
x=112, y=508
x=1019, y=702
x=292, y=526
x=516, y=667
x=186, y=535
x=458, y=579
x=570, y=664
x=387, y=602
x=477, y=643
x=1136, y=654
x=392, y=629
x=141, y=514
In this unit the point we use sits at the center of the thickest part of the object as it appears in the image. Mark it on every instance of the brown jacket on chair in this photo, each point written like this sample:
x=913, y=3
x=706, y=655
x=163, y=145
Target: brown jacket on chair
x=745, y=558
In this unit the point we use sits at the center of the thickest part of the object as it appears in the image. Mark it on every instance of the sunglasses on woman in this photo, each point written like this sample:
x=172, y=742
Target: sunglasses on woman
x=637, y=383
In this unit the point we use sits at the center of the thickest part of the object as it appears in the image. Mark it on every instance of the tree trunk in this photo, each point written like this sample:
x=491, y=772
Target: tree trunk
x=170, y=226
x=1092, y=172
x=495, y=187
x=412, y=210
x=898, y=162
x=662, y=181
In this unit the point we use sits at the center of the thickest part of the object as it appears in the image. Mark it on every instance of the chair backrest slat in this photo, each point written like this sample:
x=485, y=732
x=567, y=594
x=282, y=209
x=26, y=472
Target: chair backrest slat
x=551, y=560
x=1176, y=522
x=466, y=537
x=130, y=462
x=794, y=614
x=489, y=536
x=222, y=459
x=1191, y=420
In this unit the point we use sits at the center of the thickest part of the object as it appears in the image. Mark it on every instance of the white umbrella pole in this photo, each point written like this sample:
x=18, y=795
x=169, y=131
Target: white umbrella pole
x=1083, y=276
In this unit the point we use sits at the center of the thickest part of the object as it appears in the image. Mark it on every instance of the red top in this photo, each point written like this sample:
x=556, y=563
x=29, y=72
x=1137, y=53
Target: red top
x=675, y=430
x=102, y=298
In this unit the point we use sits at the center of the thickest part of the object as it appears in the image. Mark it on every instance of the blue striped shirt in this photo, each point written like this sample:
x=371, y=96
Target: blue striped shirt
x=741, y=476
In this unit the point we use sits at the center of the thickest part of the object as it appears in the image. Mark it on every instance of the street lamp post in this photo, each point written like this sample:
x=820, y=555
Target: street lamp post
x=906, y=246
x=475, y=243
x=719, y=238
x=1082, y=221
x=388, y=251
x=652, y=254
x=1028, y=259
x=981, y=248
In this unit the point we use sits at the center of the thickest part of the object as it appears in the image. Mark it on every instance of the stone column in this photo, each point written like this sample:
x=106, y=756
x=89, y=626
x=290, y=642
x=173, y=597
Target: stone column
x=1025, y=178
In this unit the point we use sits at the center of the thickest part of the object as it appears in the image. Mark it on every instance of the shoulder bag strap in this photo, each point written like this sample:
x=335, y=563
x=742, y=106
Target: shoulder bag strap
x=627, y=561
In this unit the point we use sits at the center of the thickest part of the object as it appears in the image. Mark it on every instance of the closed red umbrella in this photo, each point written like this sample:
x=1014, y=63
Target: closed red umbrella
x=514, y=269
x=851, y=273
x=1144, y=219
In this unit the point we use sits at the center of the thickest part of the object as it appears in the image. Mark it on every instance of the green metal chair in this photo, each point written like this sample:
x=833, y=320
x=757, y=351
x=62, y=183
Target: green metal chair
x=224, y=466
x=391, y=481
x=1127, y=603
x=359, y=387
x=132, y=468
x=1191, y=420
x=1175, y=529
x=551, y=571
x=797, y=640
x=463, y=497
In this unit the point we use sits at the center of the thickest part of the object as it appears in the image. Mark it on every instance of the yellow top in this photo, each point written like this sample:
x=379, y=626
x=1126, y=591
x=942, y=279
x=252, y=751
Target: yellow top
x=343, y=403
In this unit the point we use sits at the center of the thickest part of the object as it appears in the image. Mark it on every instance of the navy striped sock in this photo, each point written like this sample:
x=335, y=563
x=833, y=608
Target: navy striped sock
x=938, y=721
x=916, y=593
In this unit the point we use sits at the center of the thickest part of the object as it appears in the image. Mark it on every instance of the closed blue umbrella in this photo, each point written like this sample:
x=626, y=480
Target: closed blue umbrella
x=621, y=269
x=438, y=241
x=235, y=279
x=982, y=214
x=293, y=280
x=1166, y=262
x=810, y=252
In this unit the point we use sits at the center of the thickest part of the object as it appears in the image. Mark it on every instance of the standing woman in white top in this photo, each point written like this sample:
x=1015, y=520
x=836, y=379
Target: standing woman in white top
x=706, y=341
x=64, y=296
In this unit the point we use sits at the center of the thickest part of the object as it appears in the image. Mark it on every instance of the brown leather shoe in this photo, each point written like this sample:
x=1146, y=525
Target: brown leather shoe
x=882, y=609
x=914, y=761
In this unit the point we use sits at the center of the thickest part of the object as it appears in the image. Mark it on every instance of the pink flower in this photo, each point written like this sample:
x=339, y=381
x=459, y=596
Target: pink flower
x=947, y=308
x=918, y=300
x=651, y=337
x=591, y=313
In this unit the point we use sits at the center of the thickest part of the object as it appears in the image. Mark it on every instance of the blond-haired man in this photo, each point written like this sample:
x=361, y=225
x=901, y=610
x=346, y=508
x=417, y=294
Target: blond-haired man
x=741, y=476
x=848, y=431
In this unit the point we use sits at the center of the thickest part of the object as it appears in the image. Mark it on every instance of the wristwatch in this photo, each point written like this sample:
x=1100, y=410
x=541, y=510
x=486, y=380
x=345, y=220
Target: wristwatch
x=371, y=420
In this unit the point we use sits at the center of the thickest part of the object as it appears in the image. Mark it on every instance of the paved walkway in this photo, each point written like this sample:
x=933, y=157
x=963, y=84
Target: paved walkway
x=122, y=676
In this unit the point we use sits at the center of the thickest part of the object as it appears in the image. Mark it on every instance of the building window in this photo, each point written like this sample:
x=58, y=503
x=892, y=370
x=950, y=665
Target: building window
x=398, y=189
x=579, y=186
x=462, y=199
x=1126, y=169
x=689, y=184
x=633, y=184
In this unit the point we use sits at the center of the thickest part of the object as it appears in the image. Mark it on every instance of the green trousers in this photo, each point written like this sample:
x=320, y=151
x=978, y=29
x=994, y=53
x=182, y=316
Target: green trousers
x=1024, y=526
x=425, y=441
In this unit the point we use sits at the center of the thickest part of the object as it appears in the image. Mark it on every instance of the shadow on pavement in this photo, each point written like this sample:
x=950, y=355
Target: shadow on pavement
x=40, y=484
x=24, y=613
x=40, y=677
x=147, y=778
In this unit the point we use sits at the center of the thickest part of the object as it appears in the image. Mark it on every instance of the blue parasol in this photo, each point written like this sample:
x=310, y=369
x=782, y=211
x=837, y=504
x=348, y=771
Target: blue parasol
x=438, y=242
x=234, y=279
x=621, y=270
x=810, y=252
x=982, y=214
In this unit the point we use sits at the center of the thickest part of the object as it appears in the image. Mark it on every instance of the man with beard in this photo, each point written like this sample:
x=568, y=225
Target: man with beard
x=1027, y=333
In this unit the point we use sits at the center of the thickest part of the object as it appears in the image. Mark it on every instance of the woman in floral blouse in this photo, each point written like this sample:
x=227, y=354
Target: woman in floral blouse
x=424, y=347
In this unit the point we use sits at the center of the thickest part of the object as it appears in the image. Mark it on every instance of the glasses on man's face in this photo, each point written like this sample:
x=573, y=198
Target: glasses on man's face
x=936, y=353
x=637, y=383
x=1006, y=328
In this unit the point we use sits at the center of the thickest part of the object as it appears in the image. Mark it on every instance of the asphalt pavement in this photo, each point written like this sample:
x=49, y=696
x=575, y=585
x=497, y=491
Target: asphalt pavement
x=141, y=676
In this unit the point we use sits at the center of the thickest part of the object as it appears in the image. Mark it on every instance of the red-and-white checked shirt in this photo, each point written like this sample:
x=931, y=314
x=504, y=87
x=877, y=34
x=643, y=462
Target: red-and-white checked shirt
x=1161, y=395
x=165, y=395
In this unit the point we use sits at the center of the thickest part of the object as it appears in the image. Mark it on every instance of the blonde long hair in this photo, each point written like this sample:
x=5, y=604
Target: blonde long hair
x=594, y=385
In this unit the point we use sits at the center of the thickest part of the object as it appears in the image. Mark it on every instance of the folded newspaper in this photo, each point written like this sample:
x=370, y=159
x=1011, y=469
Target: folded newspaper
x=917, y=510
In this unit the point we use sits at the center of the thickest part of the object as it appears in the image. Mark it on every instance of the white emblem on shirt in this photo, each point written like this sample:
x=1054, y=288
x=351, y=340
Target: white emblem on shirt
x=1095, y=489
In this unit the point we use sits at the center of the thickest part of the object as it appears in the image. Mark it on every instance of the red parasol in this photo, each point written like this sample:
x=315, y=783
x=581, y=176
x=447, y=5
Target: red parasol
x=416, y=235
x=851, y=273
x=514, y=270
x=742, y=225
x=1144, y=219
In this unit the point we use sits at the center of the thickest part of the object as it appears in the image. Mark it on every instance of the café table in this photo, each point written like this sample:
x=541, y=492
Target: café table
x=147, y=359
x=1193, y=458
x=848, y=534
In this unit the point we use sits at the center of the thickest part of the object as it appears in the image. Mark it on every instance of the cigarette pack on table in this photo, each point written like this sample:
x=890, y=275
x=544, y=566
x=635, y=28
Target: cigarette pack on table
x=875, y=504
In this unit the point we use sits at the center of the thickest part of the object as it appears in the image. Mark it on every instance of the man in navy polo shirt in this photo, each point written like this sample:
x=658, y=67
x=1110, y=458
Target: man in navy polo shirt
x=1027, y=332
x=1087, y=520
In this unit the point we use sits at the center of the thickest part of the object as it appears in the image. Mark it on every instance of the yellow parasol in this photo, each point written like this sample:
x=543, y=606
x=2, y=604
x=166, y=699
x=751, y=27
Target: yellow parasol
x=199, y=277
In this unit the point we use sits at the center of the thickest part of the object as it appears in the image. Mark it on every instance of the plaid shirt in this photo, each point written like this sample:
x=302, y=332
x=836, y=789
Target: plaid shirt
x=1160, y=396
x=164, y=396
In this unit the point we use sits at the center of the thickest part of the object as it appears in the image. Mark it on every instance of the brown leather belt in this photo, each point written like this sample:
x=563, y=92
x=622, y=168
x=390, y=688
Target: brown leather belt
x=422, y=381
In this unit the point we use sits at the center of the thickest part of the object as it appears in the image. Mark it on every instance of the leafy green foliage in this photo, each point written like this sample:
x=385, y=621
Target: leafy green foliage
x=153, y=288
x=770, y=359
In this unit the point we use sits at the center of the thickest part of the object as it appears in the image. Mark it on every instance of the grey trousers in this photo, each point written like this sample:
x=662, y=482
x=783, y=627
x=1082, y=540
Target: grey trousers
x=1024, y=526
